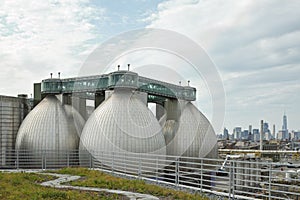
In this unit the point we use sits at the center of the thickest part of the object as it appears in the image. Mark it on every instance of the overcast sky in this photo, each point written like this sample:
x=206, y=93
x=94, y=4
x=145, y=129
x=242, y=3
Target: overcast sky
x=255, y=45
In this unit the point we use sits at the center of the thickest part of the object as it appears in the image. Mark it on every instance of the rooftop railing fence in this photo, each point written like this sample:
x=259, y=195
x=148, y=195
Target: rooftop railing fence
x=239, y=179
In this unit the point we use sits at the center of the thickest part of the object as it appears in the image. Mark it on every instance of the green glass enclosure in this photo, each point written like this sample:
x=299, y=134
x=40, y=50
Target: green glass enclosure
x=91, y=84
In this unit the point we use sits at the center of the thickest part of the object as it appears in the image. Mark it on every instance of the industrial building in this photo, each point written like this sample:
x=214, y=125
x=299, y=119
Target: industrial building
x=120, y=134
x=12, y=112
x=120, y=123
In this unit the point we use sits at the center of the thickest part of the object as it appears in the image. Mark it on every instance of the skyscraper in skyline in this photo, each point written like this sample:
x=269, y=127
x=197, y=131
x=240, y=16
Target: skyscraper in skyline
x=250, y=133
x=284, y=123
x=285, y=131
x=225, y=134
x=256, y=135
x=237, y=132
x=274, y=132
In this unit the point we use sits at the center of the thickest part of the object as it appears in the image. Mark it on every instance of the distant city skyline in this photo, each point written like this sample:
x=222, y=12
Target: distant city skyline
x=283, y=133
x=255, y=45
x=278, y=127
x=254, y=135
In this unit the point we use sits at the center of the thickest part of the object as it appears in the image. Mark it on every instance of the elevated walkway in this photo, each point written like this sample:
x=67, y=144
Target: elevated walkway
x=87, y=86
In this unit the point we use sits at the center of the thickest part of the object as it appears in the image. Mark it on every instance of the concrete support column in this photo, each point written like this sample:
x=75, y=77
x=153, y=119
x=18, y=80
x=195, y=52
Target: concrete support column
x=76, y=102
x=160, y=111
x=99, y=98
x=80, y=105
x=66, y=99
x=172, y=109
x=37, y=96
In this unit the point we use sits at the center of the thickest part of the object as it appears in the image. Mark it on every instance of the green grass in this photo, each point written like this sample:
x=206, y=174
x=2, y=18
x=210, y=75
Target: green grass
x=99, y=179
x=26, y=186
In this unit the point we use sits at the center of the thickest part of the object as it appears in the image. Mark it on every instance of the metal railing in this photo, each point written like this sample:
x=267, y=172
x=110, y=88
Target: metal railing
x=240, y=179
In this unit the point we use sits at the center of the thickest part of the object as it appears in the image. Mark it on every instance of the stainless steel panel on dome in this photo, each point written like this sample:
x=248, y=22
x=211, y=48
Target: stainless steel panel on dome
x=122, y=123
x=50, y=127
x=12, y=111
x=191, y=135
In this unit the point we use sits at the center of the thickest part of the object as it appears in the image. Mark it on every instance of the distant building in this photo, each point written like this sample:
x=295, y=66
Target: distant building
x=242, y=145
x=245, y=135
x=237, y=133
x=274, y=132
x=266, y=131
x=250, y=137
x=281, y=135
x=295, y=145
x=266, y=127
x=271, y=145
x=285, y=132
x=284, y=124
x=296, y=135
x=225, y=134
x=268, y=136
x=256, y=136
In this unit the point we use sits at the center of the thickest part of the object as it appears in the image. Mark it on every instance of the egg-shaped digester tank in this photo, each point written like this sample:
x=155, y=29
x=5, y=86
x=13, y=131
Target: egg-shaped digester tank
x=49, y=135
x=121, y=131
x=191, y=135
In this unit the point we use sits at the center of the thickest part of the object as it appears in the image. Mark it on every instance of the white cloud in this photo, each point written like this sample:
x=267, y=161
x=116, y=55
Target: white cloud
x=255, y=45
x=39, y=37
